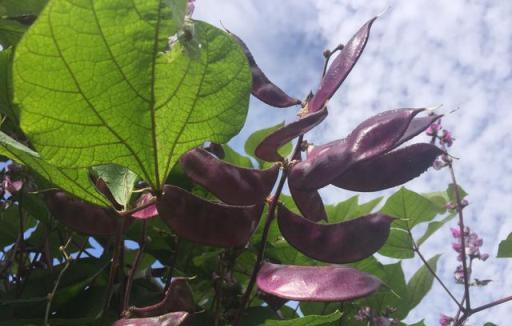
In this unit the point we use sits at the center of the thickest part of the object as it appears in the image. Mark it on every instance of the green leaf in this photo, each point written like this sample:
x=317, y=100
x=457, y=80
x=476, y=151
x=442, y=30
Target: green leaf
x=311, y=320
x=10, y=225
x=109, y=91
x=255, y=139
x=410, y=207
x=10, y=32
x=505, y=248
x=421, y=282
x=120, y=181
x=235, y=158
x=452, y=194
x=6, y=106
x=17, y=8
x=398, y=245
x=433, y=227
x=350, y=208
x=75, y=181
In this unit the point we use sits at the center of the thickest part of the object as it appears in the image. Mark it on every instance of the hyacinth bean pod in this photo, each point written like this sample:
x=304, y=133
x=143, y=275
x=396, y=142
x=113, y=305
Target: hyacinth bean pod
x=170, y=319
x=198, y=220
x=178, y=297
x=315, y=283
x=372, y=138
x=81, y=216
x=267, y=150
x=231, y=184
x=417, y=126
x=147, y=212
x=339, y=243
x=262, y=87
x=389, y=170
x=341, y=67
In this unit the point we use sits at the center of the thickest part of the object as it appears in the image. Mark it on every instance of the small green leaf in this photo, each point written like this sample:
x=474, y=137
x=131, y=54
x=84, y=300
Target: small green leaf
x=310, y=320
x=421, y=282
x=505, y=248
x=235, y=158
x=75, y=181
x=410, y=207
x=119, y=180
x=398, y=245
x=255, y=139
x=109, y=90
x=433, y=227
x=452, y=194
x=350, y=208
x=6, y=106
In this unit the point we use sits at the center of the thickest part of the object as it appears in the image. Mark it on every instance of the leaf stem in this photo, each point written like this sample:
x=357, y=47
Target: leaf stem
x=132, y=211
x=51, y=295
x=328, y=56
x=135, y=265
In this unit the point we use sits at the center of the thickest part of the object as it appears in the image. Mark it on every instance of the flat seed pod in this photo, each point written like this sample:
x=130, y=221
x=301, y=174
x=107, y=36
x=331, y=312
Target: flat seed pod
x=201, y=221
x=171, y=319
x=177, y=298
x=417, y=126
x=262, y=87
x=389, y=170
x=373, y=137
x=81, y=216
x=341, y=67
x=231, y=184
x=339, y=243
x=309, y=203
x=267, y=150
x=315, y=283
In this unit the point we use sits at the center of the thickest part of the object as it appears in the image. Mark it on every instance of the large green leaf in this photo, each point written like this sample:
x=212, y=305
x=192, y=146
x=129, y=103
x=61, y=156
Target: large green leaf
x=505, y=249
x=75, y=181
x=97, y=84
x=398, y=245
x=350, y=208
x=6, y=107
x=421, y=282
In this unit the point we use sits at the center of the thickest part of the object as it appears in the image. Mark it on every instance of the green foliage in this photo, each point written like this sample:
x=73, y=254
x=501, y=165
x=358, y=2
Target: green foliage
x=421, y=282
x=119, y=95
x=505, y=248
x=119, y=180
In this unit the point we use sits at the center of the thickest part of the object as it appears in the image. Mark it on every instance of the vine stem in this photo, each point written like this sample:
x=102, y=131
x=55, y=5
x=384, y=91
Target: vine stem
x=431, y=270
x=130, y=212
x=118, y=243
x=328, y=55
x=263, y=244
x=51, y=295
x=135, y=265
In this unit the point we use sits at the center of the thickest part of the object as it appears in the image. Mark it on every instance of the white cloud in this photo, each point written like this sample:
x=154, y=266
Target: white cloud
x=421, y=53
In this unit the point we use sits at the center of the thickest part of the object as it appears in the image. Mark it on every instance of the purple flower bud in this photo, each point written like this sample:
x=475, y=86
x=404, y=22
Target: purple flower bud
x=484, y=257
x=445, y=320
x=434, y=128
x=363, y=314
x=457, y=246
x=446, y=138
x=190, y=7
x=455, y=232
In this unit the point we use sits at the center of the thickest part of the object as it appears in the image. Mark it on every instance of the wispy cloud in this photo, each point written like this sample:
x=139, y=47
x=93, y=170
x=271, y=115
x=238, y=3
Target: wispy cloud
x=421, y=53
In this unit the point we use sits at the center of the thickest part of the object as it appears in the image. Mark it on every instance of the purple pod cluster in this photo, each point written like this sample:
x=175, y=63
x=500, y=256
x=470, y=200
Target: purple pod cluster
x=170, y=319
x=318, y=283
x=340, y=243
x=81, y=216
x=231, y=184
x=364, y=150
x=262, y=88
x=204, y=222
x=340, y=67
x=178, y=298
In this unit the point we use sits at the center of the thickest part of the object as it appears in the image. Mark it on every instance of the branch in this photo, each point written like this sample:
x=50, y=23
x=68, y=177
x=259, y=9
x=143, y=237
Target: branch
x=133, y=270
x=51, y=295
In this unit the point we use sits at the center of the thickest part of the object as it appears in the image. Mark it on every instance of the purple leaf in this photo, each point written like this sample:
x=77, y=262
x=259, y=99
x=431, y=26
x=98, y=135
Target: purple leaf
x=373, y=137
x=171, y=319
x=339, y=243
x=177, y=298
x=81, y=216
x=315, y=283
x=233, y=185
x=262, y=87
x=147, y=212
x=201, y=221
x=267, y=150
x=392, y=169
x=341, y=67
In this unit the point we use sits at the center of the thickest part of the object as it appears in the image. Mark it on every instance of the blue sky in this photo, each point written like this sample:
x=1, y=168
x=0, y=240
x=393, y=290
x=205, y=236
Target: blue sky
x=421, y=53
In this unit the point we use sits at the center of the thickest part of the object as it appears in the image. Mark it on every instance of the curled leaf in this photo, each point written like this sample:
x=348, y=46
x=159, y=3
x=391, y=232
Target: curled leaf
x=177, y=298
x=267, y=150
x=233, y=185
x=147, y=212
x=315, y=283
x=81, y=216
x=339, y=243
x=201, y=221
x=389, y=170
x=341, y=67
x=171, y=319
x=262, y=87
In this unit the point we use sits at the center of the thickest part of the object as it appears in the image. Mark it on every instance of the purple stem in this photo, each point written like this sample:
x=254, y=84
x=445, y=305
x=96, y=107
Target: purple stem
x=133, y=270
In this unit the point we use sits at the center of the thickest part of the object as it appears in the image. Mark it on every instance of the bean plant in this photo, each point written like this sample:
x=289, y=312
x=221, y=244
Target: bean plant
x=122, y=203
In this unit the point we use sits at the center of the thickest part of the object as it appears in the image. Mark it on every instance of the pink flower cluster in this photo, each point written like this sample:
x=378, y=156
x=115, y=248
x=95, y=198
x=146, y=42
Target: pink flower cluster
x=445, y=320
x=366, y=314
x=472, y=244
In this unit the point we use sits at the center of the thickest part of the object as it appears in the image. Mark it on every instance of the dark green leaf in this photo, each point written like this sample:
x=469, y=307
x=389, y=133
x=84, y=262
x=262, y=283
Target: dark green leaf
x=452, y=194
x=505, y=249
x=398, y=245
